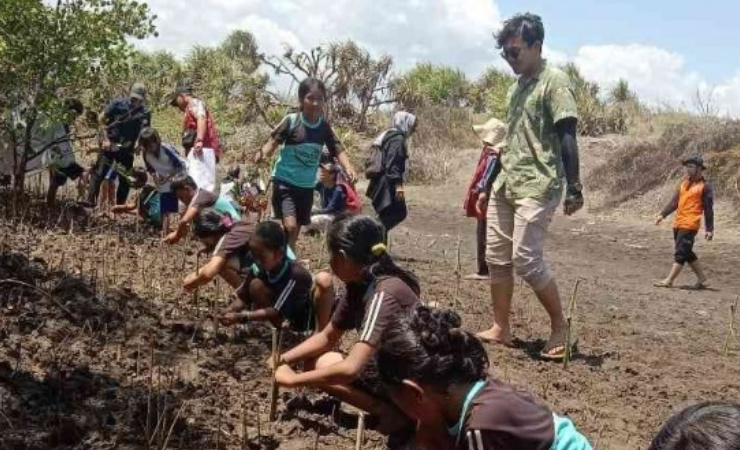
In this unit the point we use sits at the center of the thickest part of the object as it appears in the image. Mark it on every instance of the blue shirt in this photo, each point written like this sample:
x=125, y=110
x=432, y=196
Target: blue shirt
x=126, y=122
x=333, y=199
x=300, y=155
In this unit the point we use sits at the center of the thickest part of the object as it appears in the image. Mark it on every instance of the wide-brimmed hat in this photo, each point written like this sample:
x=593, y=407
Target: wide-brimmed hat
x=492, y=132
x=696, y=160
x=138, y=91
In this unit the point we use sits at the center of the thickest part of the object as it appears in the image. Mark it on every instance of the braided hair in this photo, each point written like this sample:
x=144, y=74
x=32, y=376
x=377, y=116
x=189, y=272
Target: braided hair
x=427, y=346
x=361, y=238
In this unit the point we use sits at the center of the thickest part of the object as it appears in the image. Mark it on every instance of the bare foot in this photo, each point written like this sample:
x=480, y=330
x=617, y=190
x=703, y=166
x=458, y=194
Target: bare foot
x=496, y=335
x=476, y=277
x=663, y=284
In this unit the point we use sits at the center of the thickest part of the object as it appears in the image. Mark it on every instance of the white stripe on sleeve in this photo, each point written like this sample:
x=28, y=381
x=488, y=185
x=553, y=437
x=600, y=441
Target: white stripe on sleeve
x=284, y=295
x=372, y=316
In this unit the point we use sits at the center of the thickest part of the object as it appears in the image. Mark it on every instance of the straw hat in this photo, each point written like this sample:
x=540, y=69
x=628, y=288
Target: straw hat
x=492, y=132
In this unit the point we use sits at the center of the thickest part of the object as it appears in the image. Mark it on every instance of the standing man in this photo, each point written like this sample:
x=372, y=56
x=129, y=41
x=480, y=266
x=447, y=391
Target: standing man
x=124, y=119
x=540, y=152
x=693, y=198
x=199, y=138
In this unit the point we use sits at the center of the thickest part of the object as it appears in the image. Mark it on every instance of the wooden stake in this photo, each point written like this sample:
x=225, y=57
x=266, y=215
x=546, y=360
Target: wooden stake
x=458, y=274
x=360, y=430
x=569, y=329
x=731, y=331
x=276, y=337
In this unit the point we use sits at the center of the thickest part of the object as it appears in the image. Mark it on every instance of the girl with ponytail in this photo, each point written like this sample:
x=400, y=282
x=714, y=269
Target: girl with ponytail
x=437, y=374
x=376, y=291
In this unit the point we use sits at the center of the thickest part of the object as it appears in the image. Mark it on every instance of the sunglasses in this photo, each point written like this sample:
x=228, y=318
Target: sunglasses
x=511, y=54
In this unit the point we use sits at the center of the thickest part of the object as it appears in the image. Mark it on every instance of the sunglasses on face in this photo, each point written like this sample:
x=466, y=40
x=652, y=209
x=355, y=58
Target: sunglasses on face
x=511, y=54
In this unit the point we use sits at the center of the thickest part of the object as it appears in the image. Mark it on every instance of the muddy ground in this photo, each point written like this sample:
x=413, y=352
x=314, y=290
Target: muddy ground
x=99, y=348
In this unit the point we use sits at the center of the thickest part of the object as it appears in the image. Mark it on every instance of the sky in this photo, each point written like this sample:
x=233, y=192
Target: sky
x=667, y=50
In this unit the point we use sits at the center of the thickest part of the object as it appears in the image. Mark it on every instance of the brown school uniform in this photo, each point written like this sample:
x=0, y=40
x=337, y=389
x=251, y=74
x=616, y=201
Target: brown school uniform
x=370, y=313
x=234, y=247
x=503, y=418
x=203, y=199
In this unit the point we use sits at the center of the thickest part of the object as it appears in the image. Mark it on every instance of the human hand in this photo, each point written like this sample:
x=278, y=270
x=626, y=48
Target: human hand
x=258, y=157
x=481, y=205
x=171, y=238
x=659, y=219
x=400, y=194
x=494, y=150
x=198, y=148
x=573, y=199
x=191, y=282
x=710, y=235
x=285, y=375
x=118, y=209
x=230, y=318
x=351, y=175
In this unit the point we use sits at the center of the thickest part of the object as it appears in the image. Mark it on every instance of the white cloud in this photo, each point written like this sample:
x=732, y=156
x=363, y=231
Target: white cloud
x=658, y=76
x=450, y=32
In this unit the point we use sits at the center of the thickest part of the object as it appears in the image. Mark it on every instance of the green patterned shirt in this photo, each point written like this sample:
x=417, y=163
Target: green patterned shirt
x=532, y=164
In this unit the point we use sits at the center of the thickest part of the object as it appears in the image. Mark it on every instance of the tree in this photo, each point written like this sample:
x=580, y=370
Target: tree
x=489, y=93
x=427, y=84
x=356, y=82
x=621, y=92
x=53, y=52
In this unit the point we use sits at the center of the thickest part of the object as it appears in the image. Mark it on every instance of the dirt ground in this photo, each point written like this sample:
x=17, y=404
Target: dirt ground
x=99, y=348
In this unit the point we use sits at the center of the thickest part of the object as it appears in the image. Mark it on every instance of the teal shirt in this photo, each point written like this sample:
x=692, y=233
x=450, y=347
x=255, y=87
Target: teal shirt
x=224, y=206
x=302, y=145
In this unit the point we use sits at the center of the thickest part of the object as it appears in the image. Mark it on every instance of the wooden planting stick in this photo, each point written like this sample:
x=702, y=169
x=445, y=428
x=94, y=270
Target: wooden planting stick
x=360, y=430
x=731, y=332
x=276, y=338
x=458, y=274
x=569, y=329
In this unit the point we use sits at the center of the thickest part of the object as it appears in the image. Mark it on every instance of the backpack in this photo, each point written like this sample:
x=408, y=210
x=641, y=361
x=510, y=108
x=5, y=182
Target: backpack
x=374, y=162
x=354, y=204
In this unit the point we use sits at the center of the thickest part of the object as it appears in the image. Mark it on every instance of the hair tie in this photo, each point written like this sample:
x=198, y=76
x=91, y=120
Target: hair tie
x=226, y=221
x=378, y=249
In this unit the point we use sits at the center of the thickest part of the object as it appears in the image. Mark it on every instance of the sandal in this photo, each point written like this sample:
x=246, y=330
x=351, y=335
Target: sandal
x=557, y=353
x=662, y=284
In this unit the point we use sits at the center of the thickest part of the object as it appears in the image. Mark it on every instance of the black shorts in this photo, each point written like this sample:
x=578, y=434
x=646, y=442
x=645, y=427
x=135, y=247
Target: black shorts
x=292, y=201
x=168, y=203
x=72, y=172
x=684, y=246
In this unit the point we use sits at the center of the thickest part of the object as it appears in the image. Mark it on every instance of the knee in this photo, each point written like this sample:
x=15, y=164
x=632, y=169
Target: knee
x=533, y=271
x=500, y=273
x=328, y=359
x=259, y=292
x=323, y=282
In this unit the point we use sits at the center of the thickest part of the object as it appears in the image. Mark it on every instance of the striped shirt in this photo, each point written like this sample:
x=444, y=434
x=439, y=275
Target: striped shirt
x=303, y=144
x=369, y=311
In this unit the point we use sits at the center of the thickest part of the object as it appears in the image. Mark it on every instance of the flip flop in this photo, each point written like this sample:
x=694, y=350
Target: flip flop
x=557, y=353
x=476, y=277
x=497, y=342
x=699, y=286
x=662, y=284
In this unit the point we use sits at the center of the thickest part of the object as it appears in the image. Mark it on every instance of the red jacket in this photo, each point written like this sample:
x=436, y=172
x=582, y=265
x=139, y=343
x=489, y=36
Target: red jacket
x=471, y=197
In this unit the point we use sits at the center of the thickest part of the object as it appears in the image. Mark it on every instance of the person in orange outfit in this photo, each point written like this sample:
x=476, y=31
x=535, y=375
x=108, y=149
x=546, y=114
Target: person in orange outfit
x=693, y=199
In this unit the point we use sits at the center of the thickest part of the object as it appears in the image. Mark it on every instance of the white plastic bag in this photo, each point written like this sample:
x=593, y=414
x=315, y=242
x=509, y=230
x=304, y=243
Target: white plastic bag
x=202, y=169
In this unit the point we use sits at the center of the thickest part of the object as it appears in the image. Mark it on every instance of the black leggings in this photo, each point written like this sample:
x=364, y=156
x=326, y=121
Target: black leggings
x=684, y=246
x=393, y=215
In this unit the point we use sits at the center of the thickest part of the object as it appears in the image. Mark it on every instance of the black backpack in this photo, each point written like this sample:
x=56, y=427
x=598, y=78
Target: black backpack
x=375, y=161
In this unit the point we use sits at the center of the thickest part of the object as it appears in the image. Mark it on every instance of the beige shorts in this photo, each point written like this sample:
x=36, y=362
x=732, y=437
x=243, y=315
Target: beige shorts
x=515, y=238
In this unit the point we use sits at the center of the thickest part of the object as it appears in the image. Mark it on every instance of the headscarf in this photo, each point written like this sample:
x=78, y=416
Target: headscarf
x=402, y=121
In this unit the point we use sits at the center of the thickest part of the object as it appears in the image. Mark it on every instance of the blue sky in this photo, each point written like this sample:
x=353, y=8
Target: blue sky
x=668, y=51
x=702, y=31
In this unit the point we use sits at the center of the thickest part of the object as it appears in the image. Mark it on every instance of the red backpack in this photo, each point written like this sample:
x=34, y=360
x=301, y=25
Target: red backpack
x=354, y=204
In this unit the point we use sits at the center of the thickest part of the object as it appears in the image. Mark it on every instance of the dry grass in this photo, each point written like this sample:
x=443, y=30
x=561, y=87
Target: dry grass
x=639, y=166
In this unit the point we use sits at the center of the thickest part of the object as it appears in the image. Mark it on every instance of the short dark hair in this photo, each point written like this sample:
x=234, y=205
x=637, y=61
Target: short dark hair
x=706, y=426
x=308, y=85
x=528, y=26
x=272, y=235
x=426, y=345
x=149, y=135
x=74, y=104
x=183, y=181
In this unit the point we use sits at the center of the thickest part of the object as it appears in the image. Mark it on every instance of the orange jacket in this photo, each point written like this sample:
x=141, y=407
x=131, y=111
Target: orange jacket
x=692, y=199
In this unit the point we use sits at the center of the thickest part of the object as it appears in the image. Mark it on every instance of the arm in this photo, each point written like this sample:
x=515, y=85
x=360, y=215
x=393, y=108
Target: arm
x=346, y=164
x=489, y=175
x=343, y=372
x=127, y=208
x=566, y=130
x=314, y=346
x=205, y=274
x=708, y=201
x=267, y=150
x=395, y=158
x=182, y=225
x=671, y=207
